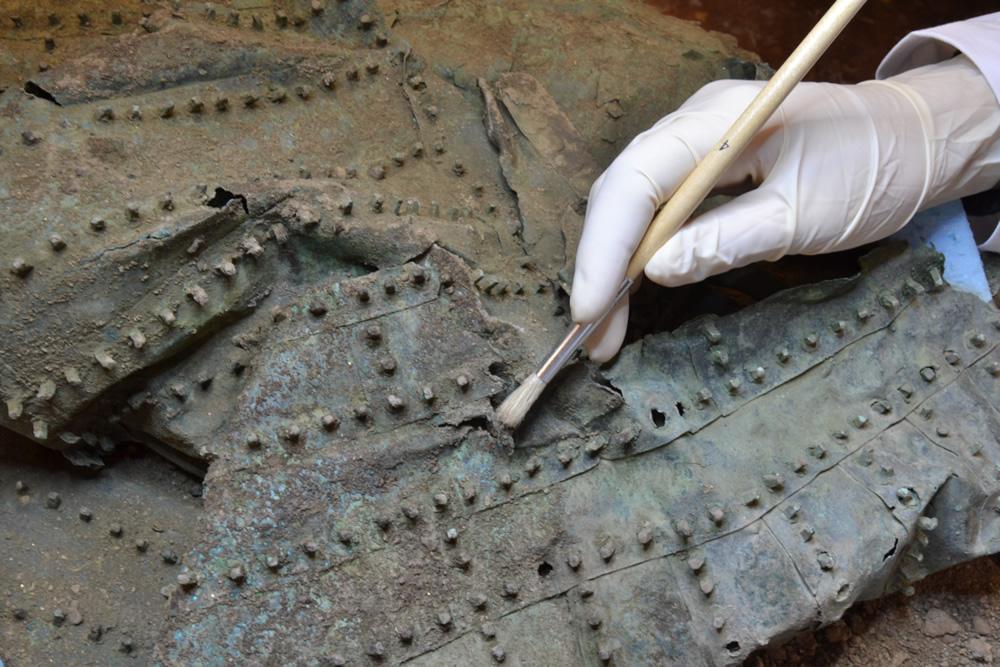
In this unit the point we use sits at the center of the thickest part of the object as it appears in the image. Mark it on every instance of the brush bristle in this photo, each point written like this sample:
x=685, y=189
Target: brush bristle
x=516, y=406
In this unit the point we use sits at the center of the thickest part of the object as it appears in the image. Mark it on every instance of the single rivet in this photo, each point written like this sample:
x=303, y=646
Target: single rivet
x=784, y=355
x=20, y=267
x=309, y=548
x=329, y=422
x=978, y=340
x=405, y=634
x=951, y=356
x=906, y=390
x=565, y=457
x=943, y=431
x=488, y=630
x=927, y=374
x=511, y=590
x=791, y=512
x=711, y=333
x=440, y=500
x=506, y=481
x=703, y=396
x=197, y=294
x=645, y=537
x=195, y=105
x=498, y=653
x=532, y=465
x=293, y=433
x=863, y=314
x=105, y=360
x=573, y=561
x=444, y=620
x=388, y=365
x=317, y=309
x=888, y=301
x=105, y=114
x=458, y=168
x=825, y=561
x=806, y=533
x=812, y=340
x=186, y=581
x=46, y=390
x=361, y=412
x=142, y=545
x=346, y=537
x=354, y=75
x=716, y=515
x=993, y=368
x=733, y=385
x=838, y=327
x=594, y=447
x=115, y=530
x=758, y=374
x=411, y=512
x=718, y=623
x=451, y=535
x=683, y=529
x=169, y=557
x=594, y=621
x=383, y=521
x=912, y=288
x=859, y=421
x=366, y=21
x=376, y=650
x=800, y=466
x=20, y=487
x=881, y=407
x=462, y=381
x=696, y=562
x=253, y=441
x=390, y=287
x=30, y=138
x=418, y=275
x=719, y=357
x=250, y=100
x=840, y=434
x=85, y=515
x=373, y=332
x=52, y=500
x=58, y=616
x=774, y=481
x=905, y=494
x=463, y=560
x=57, y=242
x=363, y=295
x=237, y=574
x=706, y=586
x=137, y=338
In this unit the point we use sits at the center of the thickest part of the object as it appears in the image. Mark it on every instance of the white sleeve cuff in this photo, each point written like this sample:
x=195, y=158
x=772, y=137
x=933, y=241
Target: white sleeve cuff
x=978, y=39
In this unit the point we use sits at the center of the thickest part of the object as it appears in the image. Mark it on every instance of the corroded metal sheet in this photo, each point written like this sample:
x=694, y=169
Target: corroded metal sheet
x=312, y=266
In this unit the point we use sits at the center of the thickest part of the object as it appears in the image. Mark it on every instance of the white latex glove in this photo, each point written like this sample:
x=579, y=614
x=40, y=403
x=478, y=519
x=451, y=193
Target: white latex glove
x=837, y=166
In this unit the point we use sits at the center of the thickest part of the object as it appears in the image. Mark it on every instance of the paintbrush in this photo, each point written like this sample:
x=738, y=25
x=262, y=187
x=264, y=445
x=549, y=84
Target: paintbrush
x=699, y=183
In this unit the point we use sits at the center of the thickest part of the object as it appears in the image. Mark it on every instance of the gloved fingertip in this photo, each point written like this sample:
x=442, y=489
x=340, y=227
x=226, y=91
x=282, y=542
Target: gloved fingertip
x=607, y=338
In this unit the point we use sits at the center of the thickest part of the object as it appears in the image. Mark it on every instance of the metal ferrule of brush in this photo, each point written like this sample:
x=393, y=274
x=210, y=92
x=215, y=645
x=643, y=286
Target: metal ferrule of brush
x=567, y=347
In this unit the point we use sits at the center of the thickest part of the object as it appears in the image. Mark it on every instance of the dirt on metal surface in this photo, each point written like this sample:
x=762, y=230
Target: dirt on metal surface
x=304, y=248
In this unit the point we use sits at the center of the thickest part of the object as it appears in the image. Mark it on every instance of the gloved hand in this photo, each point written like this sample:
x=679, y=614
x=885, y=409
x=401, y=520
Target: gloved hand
x=837, y=166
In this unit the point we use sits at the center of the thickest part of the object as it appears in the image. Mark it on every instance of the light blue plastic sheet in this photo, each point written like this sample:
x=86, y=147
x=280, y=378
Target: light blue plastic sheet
x=946, y=229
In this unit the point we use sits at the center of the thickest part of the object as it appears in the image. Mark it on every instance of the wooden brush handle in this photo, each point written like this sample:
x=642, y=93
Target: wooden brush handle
x=707, y=173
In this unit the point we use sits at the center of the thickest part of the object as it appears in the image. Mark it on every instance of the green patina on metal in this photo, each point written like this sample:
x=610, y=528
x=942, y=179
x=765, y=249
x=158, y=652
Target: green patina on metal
x=314, y=266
